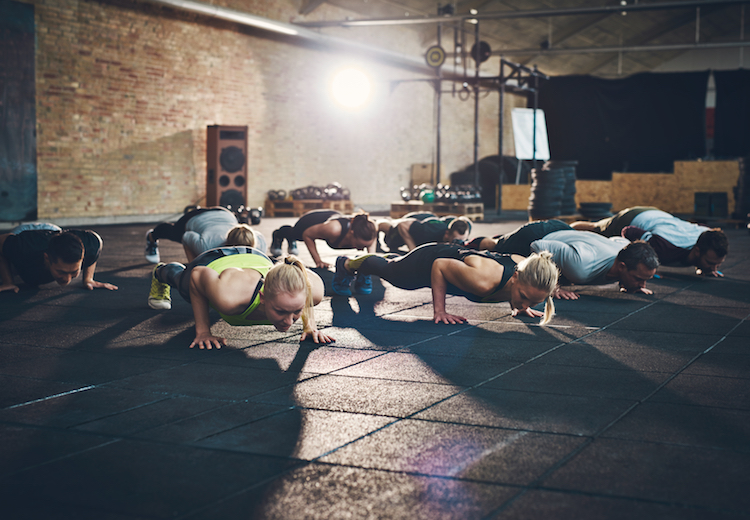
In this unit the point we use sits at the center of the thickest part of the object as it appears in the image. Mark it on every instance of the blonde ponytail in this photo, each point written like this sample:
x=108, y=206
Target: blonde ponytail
x=540, y=272
x=290, y=276
x=241, y=235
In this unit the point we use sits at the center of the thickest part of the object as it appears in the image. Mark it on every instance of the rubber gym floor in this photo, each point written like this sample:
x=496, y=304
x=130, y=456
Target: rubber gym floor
x=627, y=406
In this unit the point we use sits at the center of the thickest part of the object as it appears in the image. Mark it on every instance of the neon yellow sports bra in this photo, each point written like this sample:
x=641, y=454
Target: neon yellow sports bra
x=244, y=261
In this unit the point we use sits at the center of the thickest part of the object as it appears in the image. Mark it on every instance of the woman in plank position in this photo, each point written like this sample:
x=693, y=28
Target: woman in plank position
x=245, y=288
x=479, y=276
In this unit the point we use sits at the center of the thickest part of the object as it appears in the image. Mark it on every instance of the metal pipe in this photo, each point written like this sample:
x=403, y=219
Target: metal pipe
x=477, y=54
x=614, y=49
x=438, y=100
x=501, y=117
x=536, y=13
x=295, y=31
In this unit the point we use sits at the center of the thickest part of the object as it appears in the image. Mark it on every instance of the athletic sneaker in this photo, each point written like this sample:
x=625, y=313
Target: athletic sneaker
x=159, y=297
x=363, y=284
x=152, y=249
x=292, y=247
x=342, y=279
x=275, y=249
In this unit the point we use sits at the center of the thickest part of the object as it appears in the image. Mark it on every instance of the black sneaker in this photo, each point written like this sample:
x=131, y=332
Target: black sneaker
x=152, y=249
x=363, y=284
x=275, y=249
x=342, y=279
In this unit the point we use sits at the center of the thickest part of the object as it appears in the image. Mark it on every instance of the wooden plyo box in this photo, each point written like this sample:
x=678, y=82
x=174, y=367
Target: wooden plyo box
x=671, y=192
x=297, y=208
x=472, y=210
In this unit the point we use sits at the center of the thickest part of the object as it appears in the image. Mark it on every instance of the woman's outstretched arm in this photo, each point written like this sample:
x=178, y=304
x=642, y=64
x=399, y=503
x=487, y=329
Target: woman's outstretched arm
x=201, y=280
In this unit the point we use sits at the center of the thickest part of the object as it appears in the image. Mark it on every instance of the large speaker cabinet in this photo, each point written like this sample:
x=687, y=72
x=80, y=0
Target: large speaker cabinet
x=226, y=162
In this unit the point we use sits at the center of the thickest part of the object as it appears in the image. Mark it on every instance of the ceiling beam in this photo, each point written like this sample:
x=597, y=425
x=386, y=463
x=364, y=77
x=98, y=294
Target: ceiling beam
x=628, y=48
x=660, y=31
x=308, y=6
x=537, y=13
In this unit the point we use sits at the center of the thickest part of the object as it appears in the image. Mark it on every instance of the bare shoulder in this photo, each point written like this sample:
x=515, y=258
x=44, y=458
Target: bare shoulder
x=234, y=275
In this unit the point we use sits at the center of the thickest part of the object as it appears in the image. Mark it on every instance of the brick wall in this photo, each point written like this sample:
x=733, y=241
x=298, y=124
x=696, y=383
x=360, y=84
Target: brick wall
x=125, y=92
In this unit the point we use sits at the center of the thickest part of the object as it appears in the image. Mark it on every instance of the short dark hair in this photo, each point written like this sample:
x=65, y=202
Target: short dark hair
x=460, y=225
x=638, y=252
x=65, y=247
x=363, y=227
x=713, y=239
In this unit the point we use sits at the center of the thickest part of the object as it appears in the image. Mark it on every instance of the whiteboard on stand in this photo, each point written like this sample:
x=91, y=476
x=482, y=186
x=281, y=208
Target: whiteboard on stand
x=523, y=130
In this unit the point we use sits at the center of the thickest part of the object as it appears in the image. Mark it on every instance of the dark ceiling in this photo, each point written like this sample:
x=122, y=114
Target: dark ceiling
x=563, y=37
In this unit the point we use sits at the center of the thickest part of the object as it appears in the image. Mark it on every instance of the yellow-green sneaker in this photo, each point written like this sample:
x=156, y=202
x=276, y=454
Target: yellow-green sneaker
x=159, y=297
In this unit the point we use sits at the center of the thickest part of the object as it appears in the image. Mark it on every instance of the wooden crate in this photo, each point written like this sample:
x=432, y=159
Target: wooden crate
x=515, y=196
x=297, y=208
x=471, y=210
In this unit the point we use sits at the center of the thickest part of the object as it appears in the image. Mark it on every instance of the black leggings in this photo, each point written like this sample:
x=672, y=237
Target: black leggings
x=410, y=271
x=174, y=230
x=312, y=218
x=519, y=241
x=177, y=275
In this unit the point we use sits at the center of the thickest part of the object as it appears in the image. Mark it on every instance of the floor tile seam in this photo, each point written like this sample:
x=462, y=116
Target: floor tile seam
x=578, y=449
x=261, y=484
x=262, y=418
x=612, y=496
x=37, y=320
x=303, y=464
x=382, y=353
x=371, y=378
x=111, y=440
x=105, y=352
x=246, y=398
x=741, y=449
x=49, y=397
x=134, y=434
x=119, y=412
x=112, y=384
x=419, y=474
x=615, y=369
x=715, y=376
x=597, y=331
x=611, y=424
x=398, y=420
x=502, y=428
x=675, y=374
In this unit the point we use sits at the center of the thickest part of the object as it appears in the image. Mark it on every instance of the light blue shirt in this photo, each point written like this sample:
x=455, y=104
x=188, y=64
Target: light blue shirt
x=584, y=258
x=676, y=231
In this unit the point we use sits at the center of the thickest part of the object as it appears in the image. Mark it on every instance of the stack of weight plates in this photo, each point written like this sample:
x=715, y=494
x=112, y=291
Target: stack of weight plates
x=595, y=210
x=545, y=200
x=568, y=173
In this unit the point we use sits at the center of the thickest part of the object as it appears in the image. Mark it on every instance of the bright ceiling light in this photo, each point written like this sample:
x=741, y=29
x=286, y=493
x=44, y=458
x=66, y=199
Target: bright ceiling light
x=351, y=88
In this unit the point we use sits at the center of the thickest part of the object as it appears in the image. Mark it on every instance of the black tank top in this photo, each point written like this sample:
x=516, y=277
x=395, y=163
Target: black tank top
x=428, y=253
x=509, y=267
x=345, y=224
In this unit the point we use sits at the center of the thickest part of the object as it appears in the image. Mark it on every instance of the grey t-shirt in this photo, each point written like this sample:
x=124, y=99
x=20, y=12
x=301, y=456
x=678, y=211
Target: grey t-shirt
x=208, y=230
x=583, y=257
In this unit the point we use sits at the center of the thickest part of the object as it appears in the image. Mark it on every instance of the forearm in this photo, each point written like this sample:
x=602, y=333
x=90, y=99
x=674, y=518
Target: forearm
x=408, y=240
x=88, y=273
x=310, y=243
x=200, y=311
x=439, y=289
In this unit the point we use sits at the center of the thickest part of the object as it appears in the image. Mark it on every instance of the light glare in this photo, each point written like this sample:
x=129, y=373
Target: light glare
x=351, y=88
